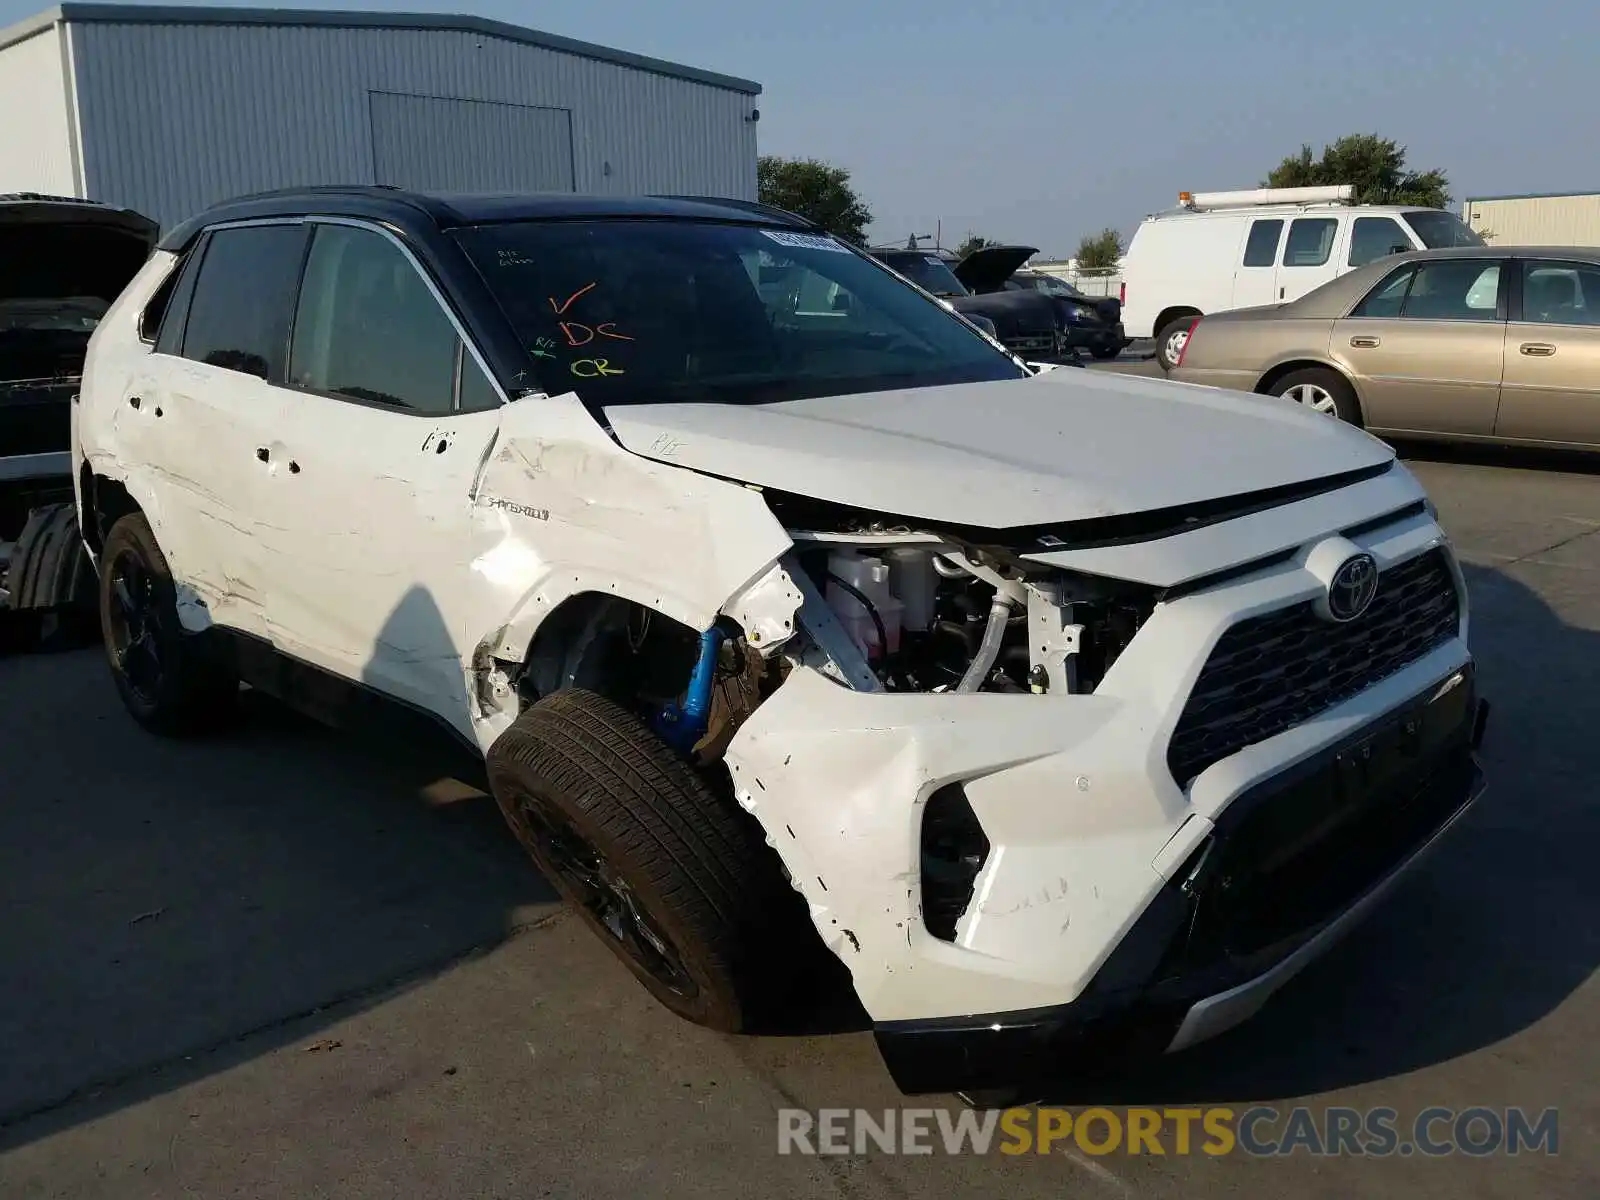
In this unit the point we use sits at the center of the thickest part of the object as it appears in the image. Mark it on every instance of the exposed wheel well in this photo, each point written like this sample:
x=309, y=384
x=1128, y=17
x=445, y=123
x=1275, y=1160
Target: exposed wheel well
x=105, y=501
x=1267, y=382
x=1169, y=315
x=610, y=645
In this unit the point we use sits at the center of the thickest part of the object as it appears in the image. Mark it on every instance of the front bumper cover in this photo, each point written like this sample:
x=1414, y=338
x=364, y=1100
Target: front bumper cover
x=1291, y=865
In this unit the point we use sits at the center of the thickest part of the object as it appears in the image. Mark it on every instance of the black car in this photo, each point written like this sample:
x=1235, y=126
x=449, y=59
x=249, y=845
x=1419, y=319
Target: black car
x=1028, y=323
x=1094, y=323
x=65, y=260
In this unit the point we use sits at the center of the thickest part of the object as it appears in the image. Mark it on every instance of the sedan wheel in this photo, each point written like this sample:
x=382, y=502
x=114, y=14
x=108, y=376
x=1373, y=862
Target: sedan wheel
x=1314, y=397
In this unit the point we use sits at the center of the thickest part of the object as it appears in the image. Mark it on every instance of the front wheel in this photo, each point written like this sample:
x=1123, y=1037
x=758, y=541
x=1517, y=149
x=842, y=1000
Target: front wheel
x=1173, y=337
x=1322, y=391
x=675, y=879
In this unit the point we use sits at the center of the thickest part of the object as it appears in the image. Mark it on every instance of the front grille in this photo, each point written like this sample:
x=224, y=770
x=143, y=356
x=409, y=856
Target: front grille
x=1273, y=672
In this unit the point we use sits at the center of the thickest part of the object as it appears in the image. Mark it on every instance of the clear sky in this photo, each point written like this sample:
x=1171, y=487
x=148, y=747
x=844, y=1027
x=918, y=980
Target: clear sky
x=1042, y=120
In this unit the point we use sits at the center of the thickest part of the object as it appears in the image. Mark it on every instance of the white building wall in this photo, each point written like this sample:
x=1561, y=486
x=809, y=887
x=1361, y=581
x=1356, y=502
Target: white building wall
x=37, y=141
x=1572, y=220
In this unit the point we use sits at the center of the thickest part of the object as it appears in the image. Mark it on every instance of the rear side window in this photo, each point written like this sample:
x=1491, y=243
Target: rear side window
x=1261, y=249
x=1372, y=238
x=244, y=299
x=1310, y=241
x=1387, y=299
x=1462, y=289
x=370, y=328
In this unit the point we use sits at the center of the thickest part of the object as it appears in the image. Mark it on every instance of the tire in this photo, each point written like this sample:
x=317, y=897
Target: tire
x=1169, y=342
x=52, y=577
x=676, y=880
x=1105, y=353
x=1321, y=390
x=166, y=680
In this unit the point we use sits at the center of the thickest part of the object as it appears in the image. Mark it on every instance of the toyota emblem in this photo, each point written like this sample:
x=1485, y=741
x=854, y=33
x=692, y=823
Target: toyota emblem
x=1352, y=587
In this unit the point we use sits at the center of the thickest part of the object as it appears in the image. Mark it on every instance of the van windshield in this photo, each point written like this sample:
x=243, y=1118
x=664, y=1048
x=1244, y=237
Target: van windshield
x=1440, y=230
x=626, y=311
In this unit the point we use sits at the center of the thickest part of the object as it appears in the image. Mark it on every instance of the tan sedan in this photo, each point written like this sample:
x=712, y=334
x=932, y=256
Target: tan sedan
x=1474, y=343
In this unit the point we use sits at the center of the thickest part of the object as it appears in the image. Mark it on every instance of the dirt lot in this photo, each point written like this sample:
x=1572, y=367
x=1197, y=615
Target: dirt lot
x=296, y=963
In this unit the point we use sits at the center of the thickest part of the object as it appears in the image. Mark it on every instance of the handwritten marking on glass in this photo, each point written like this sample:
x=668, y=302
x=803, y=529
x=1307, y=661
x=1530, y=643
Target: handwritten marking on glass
x=561, y=308
x=514, y=258
x=593, y=368
x=590, y=332
x=541, y=348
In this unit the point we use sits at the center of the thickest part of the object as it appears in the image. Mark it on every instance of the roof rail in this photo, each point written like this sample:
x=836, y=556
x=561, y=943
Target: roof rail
x=754, y=207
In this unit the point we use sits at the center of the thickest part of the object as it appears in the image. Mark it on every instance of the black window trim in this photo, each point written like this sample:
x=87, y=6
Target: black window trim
x=1502, y=300
x=1514, y=299
x=464, y=341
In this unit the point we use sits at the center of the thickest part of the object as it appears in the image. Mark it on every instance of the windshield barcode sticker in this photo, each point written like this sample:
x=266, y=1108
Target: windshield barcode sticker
x=805, y=241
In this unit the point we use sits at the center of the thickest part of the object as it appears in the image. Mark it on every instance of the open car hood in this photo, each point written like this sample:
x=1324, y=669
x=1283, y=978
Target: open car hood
x=1054, y=448
x=988, y=269
x=71, y=250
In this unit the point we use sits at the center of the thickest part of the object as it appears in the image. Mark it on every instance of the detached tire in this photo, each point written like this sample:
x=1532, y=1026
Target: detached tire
x=165, y=678
x=678, y=881
x=52, y=579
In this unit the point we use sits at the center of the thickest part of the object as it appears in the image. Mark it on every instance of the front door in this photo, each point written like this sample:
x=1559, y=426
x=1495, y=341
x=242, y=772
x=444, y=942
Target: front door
x=1427, y=348
x=1310, y=256
x=1552, y=379
x=387, y=421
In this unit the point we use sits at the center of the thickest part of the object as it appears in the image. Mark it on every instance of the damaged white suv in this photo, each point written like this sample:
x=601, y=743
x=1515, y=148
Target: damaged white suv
x=1076, y=711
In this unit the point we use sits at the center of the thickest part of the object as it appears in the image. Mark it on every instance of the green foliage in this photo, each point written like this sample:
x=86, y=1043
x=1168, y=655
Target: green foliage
x=1099, y=252
x=973, y=242
x=814, y=190
x=1374, y=166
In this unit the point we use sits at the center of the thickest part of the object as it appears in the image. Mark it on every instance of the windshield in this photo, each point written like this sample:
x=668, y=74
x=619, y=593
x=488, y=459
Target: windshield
x=642, y=311
x=927, y=271
x=1439, y=230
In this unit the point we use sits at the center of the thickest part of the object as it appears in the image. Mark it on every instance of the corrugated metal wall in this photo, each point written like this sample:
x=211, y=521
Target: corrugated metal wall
x=1537, y=220
x=176, y=117
x=36, y=138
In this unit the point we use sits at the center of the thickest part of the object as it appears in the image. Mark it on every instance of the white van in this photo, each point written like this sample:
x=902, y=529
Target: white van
x=1222, y=250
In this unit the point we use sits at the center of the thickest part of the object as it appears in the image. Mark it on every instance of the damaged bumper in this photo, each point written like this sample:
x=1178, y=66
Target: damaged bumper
x=1297, y=862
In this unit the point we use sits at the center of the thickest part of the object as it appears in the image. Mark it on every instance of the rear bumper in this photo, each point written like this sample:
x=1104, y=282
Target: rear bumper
x=1238, y=381
x=1292, y=866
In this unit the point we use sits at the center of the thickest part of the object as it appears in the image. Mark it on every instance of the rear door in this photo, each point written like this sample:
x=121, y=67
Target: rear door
x=1552, y=377
x=1427, y=347
x=197, y=421
x=1255, y=280
x=1311, y=255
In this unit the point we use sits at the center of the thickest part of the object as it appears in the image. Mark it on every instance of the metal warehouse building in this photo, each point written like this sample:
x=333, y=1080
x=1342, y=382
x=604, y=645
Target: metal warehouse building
x=1552, y=219
x=166, y=110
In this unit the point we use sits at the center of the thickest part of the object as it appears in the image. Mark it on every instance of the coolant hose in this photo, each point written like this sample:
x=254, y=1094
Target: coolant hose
x=989, y=648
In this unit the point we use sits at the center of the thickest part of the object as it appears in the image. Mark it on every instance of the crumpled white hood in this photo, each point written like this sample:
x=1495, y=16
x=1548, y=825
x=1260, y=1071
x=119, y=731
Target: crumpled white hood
x=1064, y=446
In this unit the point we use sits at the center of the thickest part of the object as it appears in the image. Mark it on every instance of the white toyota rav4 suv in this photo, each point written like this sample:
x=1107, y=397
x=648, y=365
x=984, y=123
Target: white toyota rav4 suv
x=1073, y=712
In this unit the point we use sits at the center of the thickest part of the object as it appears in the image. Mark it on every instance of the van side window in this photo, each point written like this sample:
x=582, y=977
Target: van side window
x=1310, y=241
x=1261, y=249
x=243, y=299
x=1373, y=238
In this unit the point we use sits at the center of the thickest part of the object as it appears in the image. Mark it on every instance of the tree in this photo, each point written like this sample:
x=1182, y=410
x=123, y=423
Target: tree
x=1099, y=253
x=1374, y=166
x=971, y=243
x=815, y=190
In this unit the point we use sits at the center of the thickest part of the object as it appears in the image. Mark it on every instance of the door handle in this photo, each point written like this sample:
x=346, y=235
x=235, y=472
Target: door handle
x=1538, y=349
x=1364, y=342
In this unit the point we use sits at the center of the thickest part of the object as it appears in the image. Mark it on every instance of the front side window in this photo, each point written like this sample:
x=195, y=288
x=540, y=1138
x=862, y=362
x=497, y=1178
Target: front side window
x=244, y=298
x=1439, y=230
x=1310, y=241
x=1261, y=248
x=369, y=328
x=1373, y=238
x=630, y=311
x=1561, y=293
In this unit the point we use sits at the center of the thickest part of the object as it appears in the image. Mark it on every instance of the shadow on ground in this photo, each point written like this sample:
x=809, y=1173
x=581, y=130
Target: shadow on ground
x=161, y=899
x=1489, y=936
